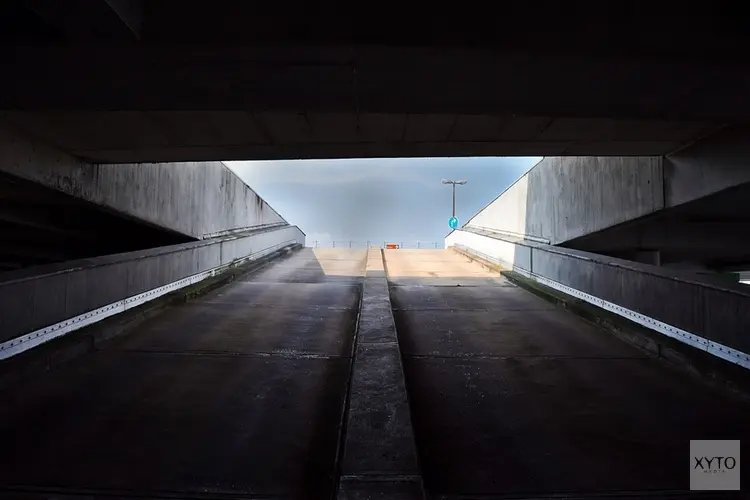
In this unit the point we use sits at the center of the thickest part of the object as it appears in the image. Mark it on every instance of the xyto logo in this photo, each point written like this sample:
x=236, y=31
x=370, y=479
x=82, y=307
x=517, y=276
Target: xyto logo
x=714, y=465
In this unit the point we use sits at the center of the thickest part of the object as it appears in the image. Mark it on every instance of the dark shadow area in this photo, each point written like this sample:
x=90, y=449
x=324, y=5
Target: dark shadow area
x=512, y=396
x=39, y=225
x=239, y=392
x=712, y=232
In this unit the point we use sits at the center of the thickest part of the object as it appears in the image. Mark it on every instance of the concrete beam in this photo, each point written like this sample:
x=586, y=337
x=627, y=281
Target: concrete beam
x=193, y=199
x=718, y=162
x=362, y=79
x=673, y=235
x=84, y=20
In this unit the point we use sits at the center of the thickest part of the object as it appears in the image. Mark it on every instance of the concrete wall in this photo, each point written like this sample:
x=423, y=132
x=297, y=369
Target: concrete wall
x=199, y=199
x=562, y=198
x=716, y=163
x=35, y=298
x=717, y=311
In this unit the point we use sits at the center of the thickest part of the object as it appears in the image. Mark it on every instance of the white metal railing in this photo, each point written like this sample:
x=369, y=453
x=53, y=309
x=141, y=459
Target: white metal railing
x=658, y=320
x=481, y=255
x=363, y=244
x=16, y=345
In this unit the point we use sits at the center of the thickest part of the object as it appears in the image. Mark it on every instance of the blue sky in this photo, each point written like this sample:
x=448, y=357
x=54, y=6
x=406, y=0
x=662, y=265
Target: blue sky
x=398, y=200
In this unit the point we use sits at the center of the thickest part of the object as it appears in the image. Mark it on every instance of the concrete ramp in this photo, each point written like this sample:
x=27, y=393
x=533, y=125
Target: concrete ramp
x=323, y=375
x=436, y=267
x=116, y=236
x=514, y=397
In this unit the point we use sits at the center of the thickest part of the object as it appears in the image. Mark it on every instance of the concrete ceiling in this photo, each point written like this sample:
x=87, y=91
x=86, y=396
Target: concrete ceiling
x=133, y=136
x=122, y=80
x=713, y=232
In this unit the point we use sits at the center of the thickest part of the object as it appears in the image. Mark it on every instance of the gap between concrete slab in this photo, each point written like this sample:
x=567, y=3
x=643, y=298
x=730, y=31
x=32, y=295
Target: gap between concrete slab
x=379, y=451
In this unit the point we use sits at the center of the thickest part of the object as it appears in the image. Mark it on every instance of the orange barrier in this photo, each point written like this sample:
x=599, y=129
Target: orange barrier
x=391, y=246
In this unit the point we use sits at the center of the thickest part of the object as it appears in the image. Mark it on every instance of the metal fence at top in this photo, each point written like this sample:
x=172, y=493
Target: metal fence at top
x=362, y=244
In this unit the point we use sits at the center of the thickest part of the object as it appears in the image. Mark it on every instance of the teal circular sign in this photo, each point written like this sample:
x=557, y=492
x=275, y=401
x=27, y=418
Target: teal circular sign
x=453, y=222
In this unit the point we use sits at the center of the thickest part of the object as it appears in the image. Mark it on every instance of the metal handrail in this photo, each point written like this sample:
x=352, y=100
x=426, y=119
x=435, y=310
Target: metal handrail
x=363, y=244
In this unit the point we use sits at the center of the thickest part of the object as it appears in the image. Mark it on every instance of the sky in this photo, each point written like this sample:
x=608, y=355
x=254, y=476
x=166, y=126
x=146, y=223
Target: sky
x=398, y=200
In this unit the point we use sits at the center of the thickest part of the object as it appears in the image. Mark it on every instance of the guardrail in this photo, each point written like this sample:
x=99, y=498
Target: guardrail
x=40, y=304
x=711, y=316
x=363, y=244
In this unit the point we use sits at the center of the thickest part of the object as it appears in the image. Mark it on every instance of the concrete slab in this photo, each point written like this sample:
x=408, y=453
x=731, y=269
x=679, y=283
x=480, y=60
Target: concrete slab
x=316, y=266
x=538, y=426
x=230, y=329
x=504, y=333
x=345, y=296
x=466, y=298
x=424, y=255
x=429, y=279
x=340, y=254
x=433, y=263
x=304, y=276
x=513, y=398
x=151, y=422
x=237, y=394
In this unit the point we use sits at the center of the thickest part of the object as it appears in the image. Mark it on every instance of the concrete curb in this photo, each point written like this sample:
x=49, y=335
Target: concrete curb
x=379, y=455
x=54, y=353
x=716, y=372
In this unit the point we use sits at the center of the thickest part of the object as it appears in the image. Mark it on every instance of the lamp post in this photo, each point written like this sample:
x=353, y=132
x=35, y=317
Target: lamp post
x=460, y=183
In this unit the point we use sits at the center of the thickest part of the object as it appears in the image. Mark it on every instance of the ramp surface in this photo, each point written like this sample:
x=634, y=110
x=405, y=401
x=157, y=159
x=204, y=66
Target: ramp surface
x=238, y=394
x=512, y=397
x=242, y=394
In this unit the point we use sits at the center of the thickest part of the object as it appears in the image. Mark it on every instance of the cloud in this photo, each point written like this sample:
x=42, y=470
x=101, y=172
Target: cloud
x=324, y=238
x=339, y=171
x=377, y=199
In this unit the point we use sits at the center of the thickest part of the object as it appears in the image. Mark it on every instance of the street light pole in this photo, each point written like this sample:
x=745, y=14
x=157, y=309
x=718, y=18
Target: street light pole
x=454, y=192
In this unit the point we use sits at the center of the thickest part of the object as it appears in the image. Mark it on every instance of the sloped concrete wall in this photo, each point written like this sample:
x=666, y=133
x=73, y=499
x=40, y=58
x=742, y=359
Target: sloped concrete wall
x=562, y=198
x=197, y=199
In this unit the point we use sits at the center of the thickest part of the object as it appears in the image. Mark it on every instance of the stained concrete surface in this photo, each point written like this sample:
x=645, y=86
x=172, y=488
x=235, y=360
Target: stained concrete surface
x=566, y=197
x=239, y=393
x=513, y=398
x=380, y=458
x=430, y=267
x=319, y=265
x=195, y=199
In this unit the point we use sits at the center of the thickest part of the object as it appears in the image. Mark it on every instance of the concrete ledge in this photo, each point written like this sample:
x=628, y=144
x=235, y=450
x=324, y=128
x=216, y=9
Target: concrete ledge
x=376, y=319
x=710, y=369
x=56, y=352
x=379, y=457
x=379, y=439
